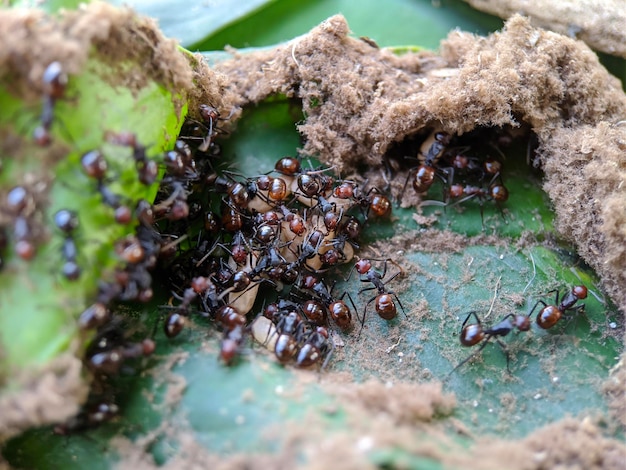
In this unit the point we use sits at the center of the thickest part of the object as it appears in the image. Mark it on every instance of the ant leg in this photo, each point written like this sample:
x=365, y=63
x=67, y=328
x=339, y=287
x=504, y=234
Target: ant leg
x=506, y=352
x=364, y=313
x=406, y=183
x=399, y=303
x=468, y=358
x=365, y=289
x=472, y=313
x=329, y=354
x=535, y=306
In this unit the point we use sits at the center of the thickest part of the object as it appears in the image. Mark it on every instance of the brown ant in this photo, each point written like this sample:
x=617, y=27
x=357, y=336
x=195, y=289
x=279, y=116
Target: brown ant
x=549, y=315
x=288, y=328
x=337, y=308
x=423, y=176
x=211, y=115
x=384, y=300
x=316, y=345
x=474, y=333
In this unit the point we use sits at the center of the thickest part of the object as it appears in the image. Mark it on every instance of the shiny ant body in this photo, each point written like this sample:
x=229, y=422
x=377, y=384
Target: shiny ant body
x=423, y=176
x=336, y=307
x=20, y=205
x=316, y=345
x=384, y=300
x=474, y=333
x=549, y=315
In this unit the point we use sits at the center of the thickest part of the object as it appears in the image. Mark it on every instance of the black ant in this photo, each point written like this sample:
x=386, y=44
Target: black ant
x=384, y=300
x=54, y=83
x=67, y=222
x=549, y=315
x=92, y=414
x=95, y=166
x=21, y=205
x=474, y=333
x=110, y=349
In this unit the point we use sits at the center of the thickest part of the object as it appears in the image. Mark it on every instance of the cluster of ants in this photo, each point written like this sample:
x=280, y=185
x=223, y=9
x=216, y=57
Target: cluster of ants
x=213, y=239
x=464, y=165
x=216, y=239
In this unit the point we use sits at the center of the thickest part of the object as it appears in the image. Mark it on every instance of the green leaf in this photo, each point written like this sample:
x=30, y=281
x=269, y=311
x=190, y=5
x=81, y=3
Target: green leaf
x=185, y=396
x=225, y=410
x=198, y=20
x=399, y=22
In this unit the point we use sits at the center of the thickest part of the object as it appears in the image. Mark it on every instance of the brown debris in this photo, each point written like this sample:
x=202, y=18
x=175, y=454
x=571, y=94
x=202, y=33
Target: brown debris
x=600, y=23
x=50, y=395
x=360, y=100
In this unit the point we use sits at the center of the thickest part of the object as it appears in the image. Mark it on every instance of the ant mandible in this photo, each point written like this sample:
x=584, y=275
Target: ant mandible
x=474, y=333
x=549, y=315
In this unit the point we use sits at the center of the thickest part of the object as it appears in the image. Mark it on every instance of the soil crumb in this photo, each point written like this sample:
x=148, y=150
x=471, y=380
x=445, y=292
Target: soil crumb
x=404, y=402
x=361, y=101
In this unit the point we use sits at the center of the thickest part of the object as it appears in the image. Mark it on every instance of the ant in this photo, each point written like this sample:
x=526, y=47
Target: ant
x=474, y=333
x=549, y=315
x=95, y=166
x=210, y=115
x=316, y=344
x=423, y=176
x=21, y=205
x=147, y=169
x=288, y=328
x=384, y=300
x=90, y=416
x=67, y=222
x=337, y=308
x=376, y=203
x=233, y=323
x=54, y=83
x=495, y=191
